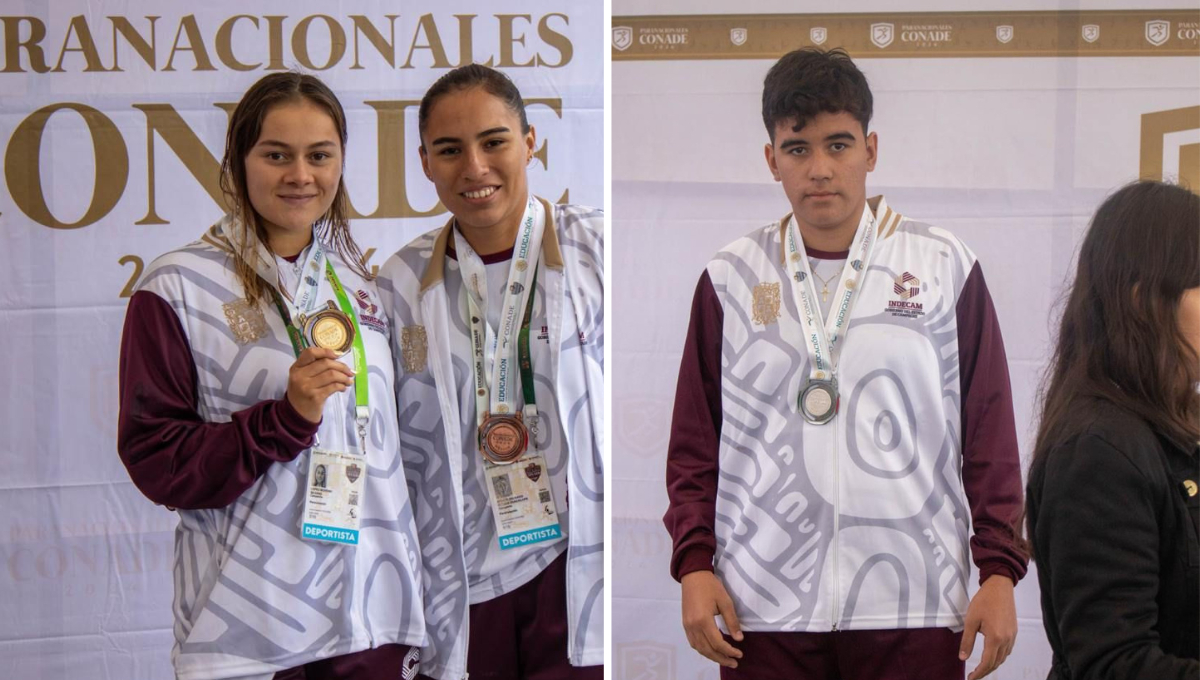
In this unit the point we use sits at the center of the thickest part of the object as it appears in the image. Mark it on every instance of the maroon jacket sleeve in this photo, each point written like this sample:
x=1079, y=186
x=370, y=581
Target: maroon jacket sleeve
x=695, y=439
x=173, y=456
x=991, y=462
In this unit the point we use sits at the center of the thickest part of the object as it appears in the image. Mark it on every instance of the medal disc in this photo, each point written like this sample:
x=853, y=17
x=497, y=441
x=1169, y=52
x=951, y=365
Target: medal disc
x=330, y=329
x=818, y=401
x=502, y=439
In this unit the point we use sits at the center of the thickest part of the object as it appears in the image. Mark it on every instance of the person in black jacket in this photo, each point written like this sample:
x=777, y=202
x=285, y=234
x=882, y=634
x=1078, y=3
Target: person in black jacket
x=1112, y=498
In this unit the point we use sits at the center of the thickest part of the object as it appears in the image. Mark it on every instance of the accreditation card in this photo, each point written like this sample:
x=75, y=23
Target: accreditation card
x=334, y=496
x=522, y=504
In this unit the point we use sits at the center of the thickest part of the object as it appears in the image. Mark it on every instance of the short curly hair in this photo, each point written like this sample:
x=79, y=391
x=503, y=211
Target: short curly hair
x=809, y=81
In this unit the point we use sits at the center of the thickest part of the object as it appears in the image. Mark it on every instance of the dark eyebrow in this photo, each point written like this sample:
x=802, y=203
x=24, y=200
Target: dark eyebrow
x=282, y=145
x=455, y=140
x=838, y=136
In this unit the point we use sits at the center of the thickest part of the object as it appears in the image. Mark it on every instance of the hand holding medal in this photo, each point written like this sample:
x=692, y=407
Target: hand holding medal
x=316, y=375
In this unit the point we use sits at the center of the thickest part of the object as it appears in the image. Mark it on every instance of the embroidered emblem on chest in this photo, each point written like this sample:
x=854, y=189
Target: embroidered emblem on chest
x=368, y=312
x=247, y=323
x=766, y=303
x=906, y=287
x=414, y=348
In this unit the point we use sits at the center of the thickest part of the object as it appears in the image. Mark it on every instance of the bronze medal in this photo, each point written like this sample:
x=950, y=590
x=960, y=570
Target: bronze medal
x=502, y=439
x=329, y=328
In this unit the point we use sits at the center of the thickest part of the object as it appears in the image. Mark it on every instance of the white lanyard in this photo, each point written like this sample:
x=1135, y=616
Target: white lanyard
x=823, y=336
x=496, y=389
x=309, y=280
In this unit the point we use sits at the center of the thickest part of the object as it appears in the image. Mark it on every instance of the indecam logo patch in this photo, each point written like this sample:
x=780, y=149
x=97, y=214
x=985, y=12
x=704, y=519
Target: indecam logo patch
x=906, y=287
x=368, y=312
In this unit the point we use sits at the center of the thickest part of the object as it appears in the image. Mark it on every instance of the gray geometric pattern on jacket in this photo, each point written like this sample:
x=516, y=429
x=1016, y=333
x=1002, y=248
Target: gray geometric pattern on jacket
x=902, y=520
x=421, y=317
x=250, y=595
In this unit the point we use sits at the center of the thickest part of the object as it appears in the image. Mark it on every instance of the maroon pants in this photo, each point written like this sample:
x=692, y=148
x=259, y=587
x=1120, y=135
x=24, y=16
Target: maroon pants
x=386, y=662
x=522, y=635
x=916, y=654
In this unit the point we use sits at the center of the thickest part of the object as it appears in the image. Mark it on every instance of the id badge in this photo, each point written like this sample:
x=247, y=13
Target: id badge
x=333, y=497
x=522, y=504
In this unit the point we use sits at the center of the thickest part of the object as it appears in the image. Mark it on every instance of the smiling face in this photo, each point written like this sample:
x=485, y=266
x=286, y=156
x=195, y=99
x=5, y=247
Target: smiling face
x=474, y=152
x=823, y=168
x=294, y=169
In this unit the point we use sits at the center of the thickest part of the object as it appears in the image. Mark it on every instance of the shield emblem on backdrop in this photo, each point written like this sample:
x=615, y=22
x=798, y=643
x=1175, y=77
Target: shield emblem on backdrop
x=882, y=34
x=622, y=37
x=818, y=35
x=1004, y=34
x=353, y=472
x=1157, y=32
x=737, y=36
x=1091, y=33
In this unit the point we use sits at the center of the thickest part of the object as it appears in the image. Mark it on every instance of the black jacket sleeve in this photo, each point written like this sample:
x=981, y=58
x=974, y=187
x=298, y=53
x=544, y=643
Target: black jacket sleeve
x=1097, y=535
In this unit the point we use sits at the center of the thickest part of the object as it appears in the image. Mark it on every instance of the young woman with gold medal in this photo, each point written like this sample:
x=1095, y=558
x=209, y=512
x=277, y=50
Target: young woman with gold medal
x=257, y=402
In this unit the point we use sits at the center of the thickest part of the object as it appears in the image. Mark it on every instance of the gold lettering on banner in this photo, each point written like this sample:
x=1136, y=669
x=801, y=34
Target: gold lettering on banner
x=22, y=166
x=374, y=268
x=555, y=105
x=1189, y=167
x=275, y=43
x=203, y=165
x=386, y=48
x=556, y=40
x=23, y=173
x=225, y=44
x=466, y=42
x=195, y=45
x=433, y=43
x=31, y=44
x=337, y=42
x=1155, y=127
x=138, y=266
x=392, y=190
x=508, y=39
x=146, y=49
x=87, y=46
x=516, y=47
x=1084, y=33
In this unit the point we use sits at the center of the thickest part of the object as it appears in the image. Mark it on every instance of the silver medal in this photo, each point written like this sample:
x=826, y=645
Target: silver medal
x=819, y=401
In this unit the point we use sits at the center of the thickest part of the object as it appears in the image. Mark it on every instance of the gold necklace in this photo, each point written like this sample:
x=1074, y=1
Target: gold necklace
x=824, y=282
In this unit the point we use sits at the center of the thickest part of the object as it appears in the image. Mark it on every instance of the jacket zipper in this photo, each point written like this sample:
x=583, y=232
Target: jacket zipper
x=836, y=523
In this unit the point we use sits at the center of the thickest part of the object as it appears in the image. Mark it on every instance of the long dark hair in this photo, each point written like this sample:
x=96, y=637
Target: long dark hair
x=245, y=127
x=1120, y=339
x=492, y=81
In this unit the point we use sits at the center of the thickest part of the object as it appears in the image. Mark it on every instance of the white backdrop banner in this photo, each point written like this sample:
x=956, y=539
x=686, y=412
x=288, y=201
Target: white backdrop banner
x=1007, y=128
x=112, y=124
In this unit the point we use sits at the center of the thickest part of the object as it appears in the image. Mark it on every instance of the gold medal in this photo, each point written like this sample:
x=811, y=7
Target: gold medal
x=502, y=439
x=329, y=328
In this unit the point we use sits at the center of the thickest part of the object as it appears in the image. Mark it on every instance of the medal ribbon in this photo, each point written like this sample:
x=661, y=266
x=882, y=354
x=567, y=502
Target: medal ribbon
x=823, y=336
x=493, y=391
x=362, y=410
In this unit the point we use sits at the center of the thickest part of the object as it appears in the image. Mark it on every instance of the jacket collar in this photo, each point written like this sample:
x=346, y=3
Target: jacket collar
x=435, y=272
